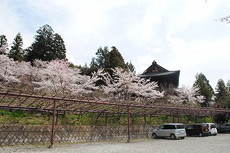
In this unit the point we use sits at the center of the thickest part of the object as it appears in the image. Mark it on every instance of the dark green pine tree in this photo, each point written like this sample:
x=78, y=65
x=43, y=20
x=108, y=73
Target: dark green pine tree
x=93, y=66
x=228, y=85
x=222, y=94
x=205, y=89
x=3, y=45
x=130, y=66
x=107, y=60
x=16, y=51
x=47, y=46
x=116, y=60
x=102, y=60
x=59, y=47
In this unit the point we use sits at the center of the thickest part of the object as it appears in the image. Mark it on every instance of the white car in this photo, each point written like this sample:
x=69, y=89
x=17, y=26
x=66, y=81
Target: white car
x=172, y=130
x=212, y=129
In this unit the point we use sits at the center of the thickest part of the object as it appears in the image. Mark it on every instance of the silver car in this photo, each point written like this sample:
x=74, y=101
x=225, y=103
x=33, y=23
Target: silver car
x=172, y=130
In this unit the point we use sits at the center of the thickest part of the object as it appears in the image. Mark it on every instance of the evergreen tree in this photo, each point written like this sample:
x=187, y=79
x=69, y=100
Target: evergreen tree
x=3, y=45
x=93, y=66
x=115, y=59
x=59, y=47
x=205, y=88
x=102, y=60
x=47, y=46
x=16, y=51
x=85, y=70
x=222, y=94
x=108, y=59
x=130, y=66
x=228, y=85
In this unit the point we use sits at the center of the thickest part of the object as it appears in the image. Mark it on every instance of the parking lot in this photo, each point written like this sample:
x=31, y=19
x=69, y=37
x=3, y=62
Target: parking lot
x=211, y=144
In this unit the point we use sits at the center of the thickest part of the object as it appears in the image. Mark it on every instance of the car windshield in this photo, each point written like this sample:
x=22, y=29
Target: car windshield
x=213, y=126
x=180, y=126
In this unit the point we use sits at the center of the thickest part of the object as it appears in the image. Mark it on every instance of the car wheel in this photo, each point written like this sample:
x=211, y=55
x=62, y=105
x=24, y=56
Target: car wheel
x=200, y=135
x=154, y=135
x=182, y=137
x=172, y=136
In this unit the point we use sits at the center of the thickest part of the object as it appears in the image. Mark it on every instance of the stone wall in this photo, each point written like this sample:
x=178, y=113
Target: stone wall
x=33, y=134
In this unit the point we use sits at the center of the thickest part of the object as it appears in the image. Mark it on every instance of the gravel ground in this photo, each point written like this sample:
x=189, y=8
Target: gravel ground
x=211, y=144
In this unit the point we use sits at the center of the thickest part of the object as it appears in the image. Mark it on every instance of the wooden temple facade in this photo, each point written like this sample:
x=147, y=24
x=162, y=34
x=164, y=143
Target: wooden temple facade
x=166, y=79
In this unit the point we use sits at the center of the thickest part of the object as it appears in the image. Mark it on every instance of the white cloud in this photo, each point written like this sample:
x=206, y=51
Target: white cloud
x=142, y=63
x=200, y=56
x=8, y=26
x=157, y=50
x=144, y=30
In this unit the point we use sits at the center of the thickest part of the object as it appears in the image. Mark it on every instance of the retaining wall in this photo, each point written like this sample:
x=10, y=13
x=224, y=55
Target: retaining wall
x=33, y=134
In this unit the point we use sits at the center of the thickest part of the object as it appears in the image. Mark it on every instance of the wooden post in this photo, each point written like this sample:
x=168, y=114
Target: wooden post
x=53, y=126
x=128, y=125
x=106, y=119
x=178, y=118
x=56, y=123
x=212, y=117
x=97, y=118
x=150, y=119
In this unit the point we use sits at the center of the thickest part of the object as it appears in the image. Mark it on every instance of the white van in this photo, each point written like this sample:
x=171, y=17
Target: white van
x=212, y=129
x=172, y=130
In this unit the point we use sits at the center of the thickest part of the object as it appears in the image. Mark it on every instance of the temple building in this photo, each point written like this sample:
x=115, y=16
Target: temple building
x=166, y=79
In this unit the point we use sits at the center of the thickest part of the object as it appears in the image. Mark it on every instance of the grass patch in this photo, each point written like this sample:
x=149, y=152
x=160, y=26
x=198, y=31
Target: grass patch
x=37, y=118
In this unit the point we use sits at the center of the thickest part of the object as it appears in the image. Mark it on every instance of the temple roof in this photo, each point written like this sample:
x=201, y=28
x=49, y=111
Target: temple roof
x=154, y=68
x=160, y=74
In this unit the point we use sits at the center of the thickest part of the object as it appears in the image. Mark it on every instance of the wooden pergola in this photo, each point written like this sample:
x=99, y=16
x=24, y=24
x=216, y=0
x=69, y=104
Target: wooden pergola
x=22, y=101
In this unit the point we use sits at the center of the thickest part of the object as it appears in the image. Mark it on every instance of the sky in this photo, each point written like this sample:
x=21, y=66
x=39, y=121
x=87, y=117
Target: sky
x=177, y=34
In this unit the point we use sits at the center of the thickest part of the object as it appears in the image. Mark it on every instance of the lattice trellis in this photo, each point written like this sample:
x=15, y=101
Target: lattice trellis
x=21, y=101
x=43, y=103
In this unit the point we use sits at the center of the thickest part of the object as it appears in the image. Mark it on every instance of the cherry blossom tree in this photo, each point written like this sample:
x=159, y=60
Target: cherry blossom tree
x=187, y=96
x=57, y=78
x=8, y=71
x=28, y=74
x=52, y=78
x=125, y=85
x=18, y=75
x=3, y=45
